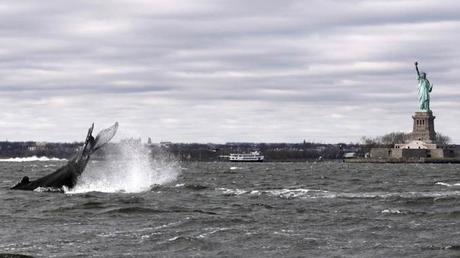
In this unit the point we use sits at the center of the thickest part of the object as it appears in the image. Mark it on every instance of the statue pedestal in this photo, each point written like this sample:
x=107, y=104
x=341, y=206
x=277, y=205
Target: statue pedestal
x=423, y=129
x=421, y=147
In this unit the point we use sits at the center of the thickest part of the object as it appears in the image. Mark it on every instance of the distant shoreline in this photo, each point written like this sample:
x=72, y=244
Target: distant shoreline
x=273, y=152
x=285, y=152
x=404, y=161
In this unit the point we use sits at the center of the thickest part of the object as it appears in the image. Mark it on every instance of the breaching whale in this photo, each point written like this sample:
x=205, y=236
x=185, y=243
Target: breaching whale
x=68, y=174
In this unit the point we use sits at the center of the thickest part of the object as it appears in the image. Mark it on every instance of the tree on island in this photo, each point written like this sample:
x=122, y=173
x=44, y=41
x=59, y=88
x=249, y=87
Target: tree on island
x=442, y=140
x=390, y=139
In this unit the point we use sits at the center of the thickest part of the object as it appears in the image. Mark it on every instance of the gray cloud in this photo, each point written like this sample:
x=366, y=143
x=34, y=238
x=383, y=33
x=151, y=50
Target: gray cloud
x=216, y=71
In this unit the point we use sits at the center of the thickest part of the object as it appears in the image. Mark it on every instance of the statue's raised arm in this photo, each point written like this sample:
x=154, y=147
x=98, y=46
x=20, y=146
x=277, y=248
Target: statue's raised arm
x=424, y=89
x=416, y=68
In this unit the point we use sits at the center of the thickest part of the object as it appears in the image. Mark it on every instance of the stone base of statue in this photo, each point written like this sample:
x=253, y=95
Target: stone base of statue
x=423, y=129
x=422, y=137
x=421, y=146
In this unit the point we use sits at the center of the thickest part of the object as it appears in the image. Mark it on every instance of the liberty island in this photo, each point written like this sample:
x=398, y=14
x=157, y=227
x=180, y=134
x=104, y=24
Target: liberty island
x=421, y=145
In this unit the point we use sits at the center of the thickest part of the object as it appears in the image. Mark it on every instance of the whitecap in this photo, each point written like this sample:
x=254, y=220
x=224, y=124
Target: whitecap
x=442, y=183
x=314, y=194
x=49, y=189
x=281, y=193
x=391, y=211
x=299, y=193
x=446, y=184
x=30, y=159
x=212, y=231
x=173, y=238
x=232, y=191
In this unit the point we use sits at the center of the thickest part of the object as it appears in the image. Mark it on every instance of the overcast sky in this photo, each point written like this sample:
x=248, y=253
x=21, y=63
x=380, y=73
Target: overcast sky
x=226, y=70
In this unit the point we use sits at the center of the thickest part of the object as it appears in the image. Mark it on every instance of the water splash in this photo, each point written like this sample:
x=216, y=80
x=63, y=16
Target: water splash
x=128, y=167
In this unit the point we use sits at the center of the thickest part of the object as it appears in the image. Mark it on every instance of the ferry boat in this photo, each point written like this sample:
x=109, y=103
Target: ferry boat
x=246, y=157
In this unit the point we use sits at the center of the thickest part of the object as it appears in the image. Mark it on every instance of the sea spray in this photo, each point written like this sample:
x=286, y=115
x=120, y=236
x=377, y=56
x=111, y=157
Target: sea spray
x=127, y=167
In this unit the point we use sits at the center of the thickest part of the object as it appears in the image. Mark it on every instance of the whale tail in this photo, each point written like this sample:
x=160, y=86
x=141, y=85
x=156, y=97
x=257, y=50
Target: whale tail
x=93, y=144
x=105, y=136
x=68, y=174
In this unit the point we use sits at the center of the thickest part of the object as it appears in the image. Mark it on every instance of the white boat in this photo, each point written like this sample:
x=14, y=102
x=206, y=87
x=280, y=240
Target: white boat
x=246, y=157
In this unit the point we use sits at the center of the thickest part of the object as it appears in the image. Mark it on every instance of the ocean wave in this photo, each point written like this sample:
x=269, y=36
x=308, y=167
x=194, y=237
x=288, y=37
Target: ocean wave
x=49, y=189
x=196, y=187
x=30, y=159
x=133, y=210
x=282, y=193
x=210, y=231
x=391, y=211
x=449, y=247
x=227, y=191
x=447, y=184
x=314, y=193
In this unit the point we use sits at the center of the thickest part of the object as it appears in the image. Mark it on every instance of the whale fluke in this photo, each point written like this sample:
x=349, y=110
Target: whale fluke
x=104, y=136
x=68, y=174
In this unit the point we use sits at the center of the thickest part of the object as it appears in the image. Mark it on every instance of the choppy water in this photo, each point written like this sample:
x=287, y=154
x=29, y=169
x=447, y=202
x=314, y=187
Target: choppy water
x=243, y=210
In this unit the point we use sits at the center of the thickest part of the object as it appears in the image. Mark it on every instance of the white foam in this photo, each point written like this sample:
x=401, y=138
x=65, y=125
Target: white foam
x=313, y=194
x=173, y=238
x=281, y=193
x=232, y=191
x=391, y=211
x=299, y=193
x=442, y=183
x=446, y=184
x=288, y=193
x=30, y=159
x=48, y=189
x=210, y=232
x=405, y=195
x=134, y=171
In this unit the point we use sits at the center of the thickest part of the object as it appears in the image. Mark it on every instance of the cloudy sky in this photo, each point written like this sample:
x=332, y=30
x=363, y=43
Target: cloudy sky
x=226, y=70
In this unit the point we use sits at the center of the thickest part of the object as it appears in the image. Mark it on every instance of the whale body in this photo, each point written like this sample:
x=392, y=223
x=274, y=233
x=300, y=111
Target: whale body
x=69, y=173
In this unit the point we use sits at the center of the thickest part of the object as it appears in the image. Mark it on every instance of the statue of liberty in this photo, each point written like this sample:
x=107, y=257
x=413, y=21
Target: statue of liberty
x=424, y=89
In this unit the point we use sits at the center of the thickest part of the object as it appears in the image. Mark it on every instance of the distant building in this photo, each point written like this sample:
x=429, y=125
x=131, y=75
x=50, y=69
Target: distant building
x=38, y=146
x=165, y=144
x=131, y=141
x=350, y=155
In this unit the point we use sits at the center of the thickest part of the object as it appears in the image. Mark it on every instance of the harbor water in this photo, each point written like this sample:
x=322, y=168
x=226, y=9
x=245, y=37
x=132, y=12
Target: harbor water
x=324, y=209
